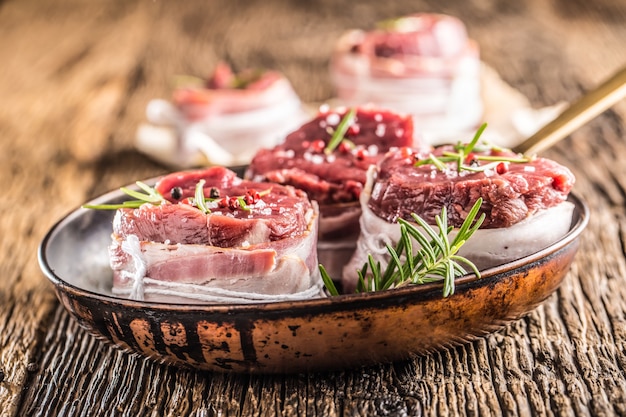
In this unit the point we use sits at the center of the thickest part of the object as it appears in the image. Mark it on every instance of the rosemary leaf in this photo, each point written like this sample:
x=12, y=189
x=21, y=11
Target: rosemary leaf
x=361, y=284
x=147, y=198
x=448, y=283
x=147, y=189
x=468, y=263
x=150, y=195
x=442, y=224
x=427, y=248
x=502, y=159
x=481, y=168
x=395, y=259
x=242, y=204
x=375, y=267
x=390, y=270
x=460, y=160
x=125, y=204
x=470, y=146
x=436, y=240
x=328, y=282
x=439, y=163
x=199, y=199
x=340, y=132
x=408, y=245
x=465, y=229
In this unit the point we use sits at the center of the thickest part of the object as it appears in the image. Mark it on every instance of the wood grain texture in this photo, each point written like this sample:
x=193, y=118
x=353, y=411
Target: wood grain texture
x=74, y=81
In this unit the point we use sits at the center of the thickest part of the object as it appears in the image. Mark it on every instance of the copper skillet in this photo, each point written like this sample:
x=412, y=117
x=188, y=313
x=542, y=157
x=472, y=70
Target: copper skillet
x=320, y=334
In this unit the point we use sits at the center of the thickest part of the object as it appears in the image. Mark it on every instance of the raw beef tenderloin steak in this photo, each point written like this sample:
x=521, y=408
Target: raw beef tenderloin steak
x=422, y=64
x=245, y=242
x=334, y=175
x=524, y=202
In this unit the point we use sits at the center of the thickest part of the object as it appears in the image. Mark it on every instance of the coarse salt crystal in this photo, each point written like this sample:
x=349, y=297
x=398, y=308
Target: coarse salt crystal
x=333, y=119
x=317, y=159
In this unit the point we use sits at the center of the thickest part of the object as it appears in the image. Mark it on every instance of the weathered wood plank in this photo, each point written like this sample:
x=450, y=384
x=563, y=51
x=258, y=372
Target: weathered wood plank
x=43, y=89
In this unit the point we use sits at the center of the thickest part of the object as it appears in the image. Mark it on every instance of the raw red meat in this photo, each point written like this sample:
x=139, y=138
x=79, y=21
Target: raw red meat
x=510, y=191
x=337, y=177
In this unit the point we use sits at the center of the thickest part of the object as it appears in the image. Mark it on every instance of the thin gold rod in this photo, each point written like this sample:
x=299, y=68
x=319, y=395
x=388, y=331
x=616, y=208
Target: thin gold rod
x=577, y=114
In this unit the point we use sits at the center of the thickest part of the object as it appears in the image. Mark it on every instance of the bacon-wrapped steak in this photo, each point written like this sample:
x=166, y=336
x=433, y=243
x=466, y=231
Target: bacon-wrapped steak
x=247, y=242
x=422, y=64
x=334, y=174
x=524, y=200
x=222, y=120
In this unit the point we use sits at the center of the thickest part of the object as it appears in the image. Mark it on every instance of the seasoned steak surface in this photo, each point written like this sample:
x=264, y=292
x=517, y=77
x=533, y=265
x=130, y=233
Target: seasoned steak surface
x=337, y=176
x=241, y=212
x=510, y=191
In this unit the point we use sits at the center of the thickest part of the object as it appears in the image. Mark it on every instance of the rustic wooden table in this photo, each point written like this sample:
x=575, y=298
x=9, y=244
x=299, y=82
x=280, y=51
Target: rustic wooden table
x=75, y=78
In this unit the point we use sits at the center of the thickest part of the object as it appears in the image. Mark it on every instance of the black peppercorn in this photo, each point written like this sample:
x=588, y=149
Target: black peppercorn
x=176, y=193
x=214, y=193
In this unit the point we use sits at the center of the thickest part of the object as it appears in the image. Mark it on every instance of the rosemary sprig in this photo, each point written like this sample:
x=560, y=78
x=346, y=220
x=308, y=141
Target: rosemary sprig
x=436, y=260
x=149, y=195
x=465, y=150
x=340, y=132
x=152, y=196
